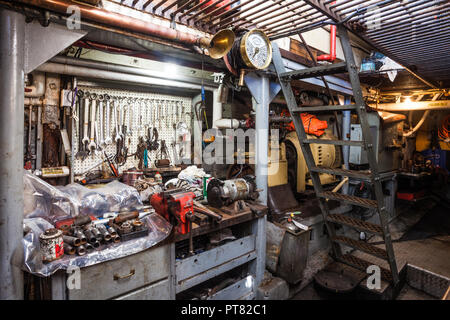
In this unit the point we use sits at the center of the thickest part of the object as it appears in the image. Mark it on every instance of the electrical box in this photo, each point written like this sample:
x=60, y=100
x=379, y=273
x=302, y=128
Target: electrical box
x=386, y=139
x=357, y=154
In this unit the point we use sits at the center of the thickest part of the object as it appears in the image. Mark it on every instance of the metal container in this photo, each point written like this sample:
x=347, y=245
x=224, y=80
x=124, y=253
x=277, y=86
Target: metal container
x=287, y=251
x=129, y=177
x=51, y=244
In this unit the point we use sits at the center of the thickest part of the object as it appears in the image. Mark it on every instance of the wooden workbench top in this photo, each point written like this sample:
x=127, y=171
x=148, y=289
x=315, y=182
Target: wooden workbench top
x=227, y=221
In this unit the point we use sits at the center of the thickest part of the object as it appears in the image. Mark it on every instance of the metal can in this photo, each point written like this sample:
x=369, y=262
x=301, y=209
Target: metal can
x=51, y=244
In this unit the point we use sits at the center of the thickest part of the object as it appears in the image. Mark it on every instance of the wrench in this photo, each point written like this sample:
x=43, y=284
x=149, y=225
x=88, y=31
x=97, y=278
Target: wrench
x=97, y=134
x=101, y=139
x=148, y=113
x=122, y=119
x=81, y=154
x=138, y=103
x=116, y=119
x=92, y=144
x=158, y=113
x=86, y=120
x=131, y=103
x=167, y=113
x=108, y=139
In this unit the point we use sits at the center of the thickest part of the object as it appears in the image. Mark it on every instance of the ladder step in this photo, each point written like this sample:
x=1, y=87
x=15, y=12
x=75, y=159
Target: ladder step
x=362, y=265
x=355, y=223
x=362, y=202
x=361, y=246
x=313, y=72
x=335, y=142
x=360, y=175
x=326, y=108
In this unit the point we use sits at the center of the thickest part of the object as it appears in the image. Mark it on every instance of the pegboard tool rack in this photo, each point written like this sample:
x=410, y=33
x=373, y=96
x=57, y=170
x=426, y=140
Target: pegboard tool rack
x=158, y=110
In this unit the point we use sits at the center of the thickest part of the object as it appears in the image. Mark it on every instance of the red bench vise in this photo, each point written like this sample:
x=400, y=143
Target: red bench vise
x=175, y=206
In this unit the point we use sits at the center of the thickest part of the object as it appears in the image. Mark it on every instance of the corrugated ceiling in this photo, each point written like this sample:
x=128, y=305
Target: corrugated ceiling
x=415, y=33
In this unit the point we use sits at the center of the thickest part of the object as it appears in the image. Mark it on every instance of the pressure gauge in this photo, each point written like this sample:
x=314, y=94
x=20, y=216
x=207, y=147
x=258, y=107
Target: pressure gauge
x=256, y=49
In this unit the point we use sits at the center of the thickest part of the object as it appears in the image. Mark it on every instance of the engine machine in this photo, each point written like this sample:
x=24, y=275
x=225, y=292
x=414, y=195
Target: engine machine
x=222, y=193
x=290, y=168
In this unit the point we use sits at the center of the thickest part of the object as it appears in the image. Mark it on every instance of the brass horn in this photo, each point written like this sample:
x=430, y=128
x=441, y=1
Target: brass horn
x=220, y=44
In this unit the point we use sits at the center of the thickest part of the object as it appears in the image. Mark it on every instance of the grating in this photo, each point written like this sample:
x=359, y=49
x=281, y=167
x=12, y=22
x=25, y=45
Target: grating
x=362, y=202
x=362, y=246
x=363, y=265
x=355, y=223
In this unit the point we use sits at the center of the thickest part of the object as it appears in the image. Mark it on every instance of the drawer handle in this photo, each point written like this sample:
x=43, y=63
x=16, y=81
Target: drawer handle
x=117, y=277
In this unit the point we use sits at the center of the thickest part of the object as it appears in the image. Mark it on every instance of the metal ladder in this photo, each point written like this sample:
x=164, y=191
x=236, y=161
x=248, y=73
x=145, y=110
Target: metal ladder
x=373, y=176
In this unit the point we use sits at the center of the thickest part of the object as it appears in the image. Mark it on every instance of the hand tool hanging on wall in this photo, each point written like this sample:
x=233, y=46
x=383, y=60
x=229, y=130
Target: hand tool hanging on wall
x=66, y=111
x=166, y=114
x=108, y=139
x=81, y=153
x=124, y=124
x=140, y=152
x=97, y=131
x=154, y=145
x=131, y=105
x=159, y=115
x=101, y=140
x=120, y=118
x=164, y=159
x=116, y=119
x=122, y=150
x=86, y=122
x=92, y=144
x=140, y=123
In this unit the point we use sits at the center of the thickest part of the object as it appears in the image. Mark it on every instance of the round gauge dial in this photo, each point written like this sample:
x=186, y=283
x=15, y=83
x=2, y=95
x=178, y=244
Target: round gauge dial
x=256, y=49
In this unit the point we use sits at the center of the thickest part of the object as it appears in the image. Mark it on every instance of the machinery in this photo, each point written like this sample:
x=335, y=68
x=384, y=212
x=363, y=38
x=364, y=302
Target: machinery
x=387, y=131
x=292, y=167
x=288, y=173
x=177, y=207
x=222, y=193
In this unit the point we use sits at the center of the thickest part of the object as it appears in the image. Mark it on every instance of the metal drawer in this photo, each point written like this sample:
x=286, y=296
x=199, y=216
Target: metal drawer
x=206, y=265
x=117, y=277
x=156, y=291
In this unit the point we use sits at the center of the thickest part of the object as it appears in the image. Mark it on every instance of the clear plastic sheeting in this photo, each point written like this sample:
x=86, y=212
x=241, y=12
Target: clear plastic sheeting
x=54, y=203
x=46, y=201
x=112, y=197
x=45, y=204
x=159, y=230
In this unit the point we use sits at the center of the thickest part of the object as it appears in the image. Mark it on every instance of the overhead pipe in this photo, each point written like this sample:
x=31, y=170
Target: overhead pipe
x=126, y=69
x=88, y=72
x=418, y=125
x=332, y=56
x=105, y=17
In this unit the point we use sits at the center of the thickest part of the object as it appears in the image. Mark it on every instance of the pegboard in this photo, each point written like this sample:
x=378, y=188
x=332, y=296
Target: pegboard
x=156, y=110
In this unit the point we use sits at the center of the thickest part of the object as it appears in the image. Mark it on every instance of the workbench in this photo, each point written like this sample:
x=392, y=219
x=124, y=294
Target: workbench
x=155, y=274
x=198, y=268
x=146, y=275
